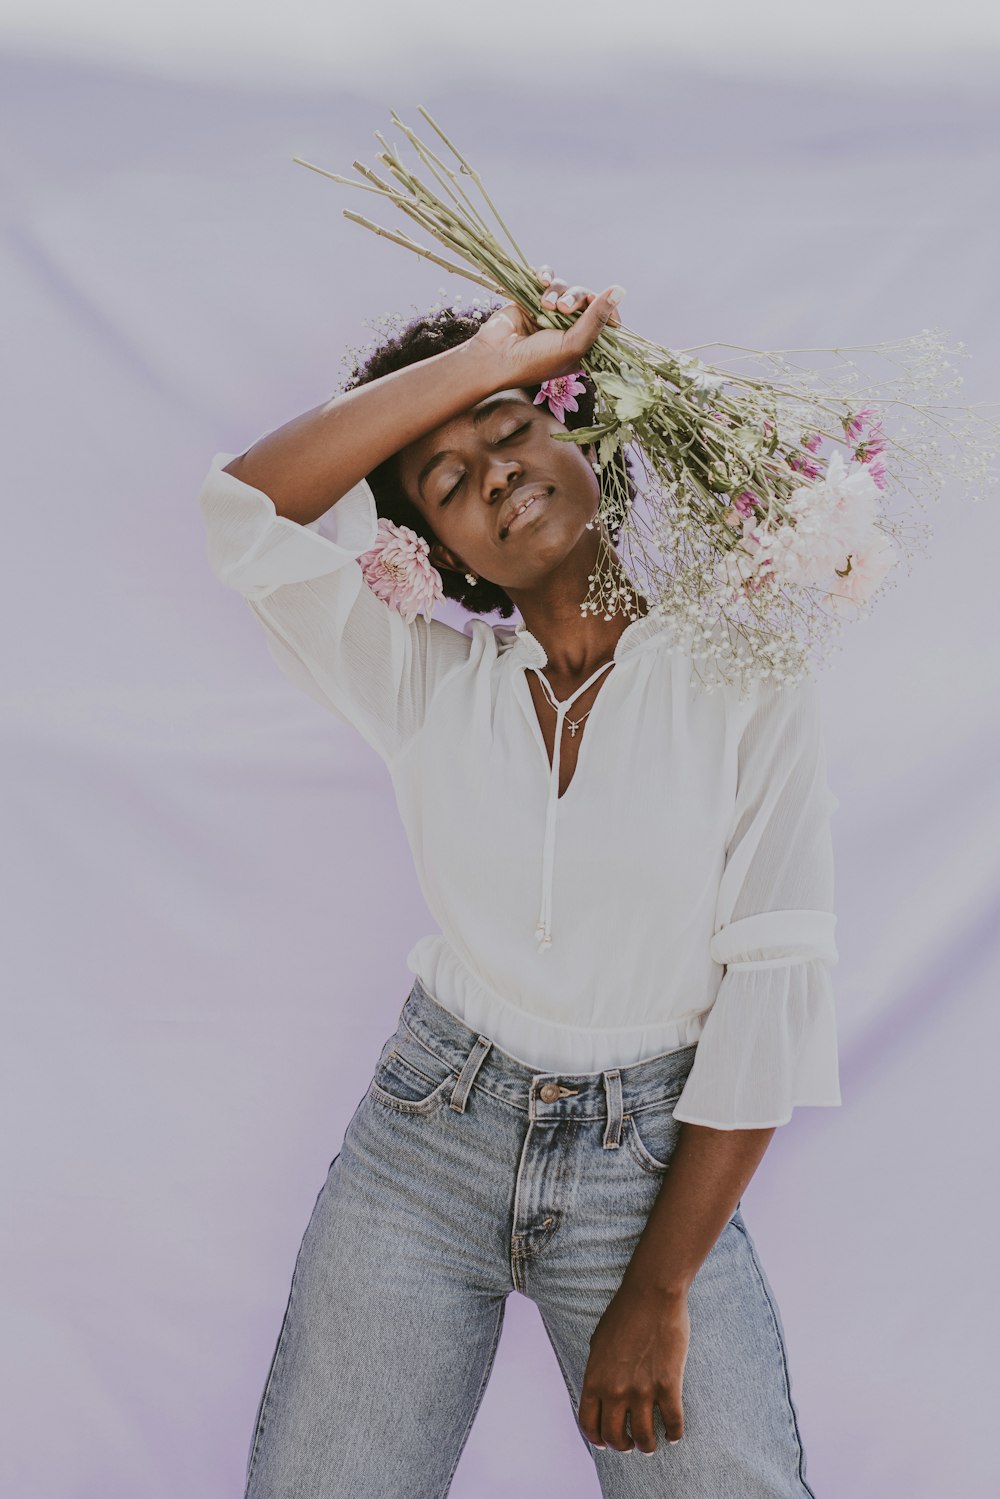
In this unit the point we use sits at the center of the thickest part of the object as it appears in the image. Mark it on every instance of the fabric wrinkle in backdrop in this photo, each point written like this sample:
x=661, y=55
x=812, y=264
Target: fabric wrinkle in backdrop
x=207, y=895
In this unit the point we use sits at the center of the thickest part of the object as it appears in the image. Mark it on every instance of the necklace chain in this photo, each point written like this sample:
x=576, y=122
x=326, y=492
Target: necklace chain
x=574, y=723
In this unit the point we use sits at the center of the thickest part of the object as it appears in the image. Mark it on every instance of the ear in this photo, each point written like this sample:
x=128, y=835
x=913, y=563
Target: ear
x=442, y=557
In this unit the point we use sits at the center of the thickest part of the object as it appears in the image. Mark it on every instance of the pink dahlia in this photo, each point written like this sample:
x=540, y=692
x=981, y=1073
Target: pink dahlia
x=399, y=571
x=560, y=394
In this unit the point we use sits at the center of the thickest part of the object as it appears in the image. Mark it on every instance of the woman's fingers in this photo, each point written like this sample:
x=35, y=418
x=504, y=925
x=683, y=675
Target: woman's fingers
x=573, y=297
x=556, y=288
x=576, y=298
x=641, y=1422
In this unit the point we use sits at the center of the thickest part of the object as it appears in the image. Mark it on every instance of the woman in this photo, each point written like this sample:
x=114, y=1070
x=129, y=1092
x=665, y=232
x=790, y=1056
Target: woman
x=631, y=986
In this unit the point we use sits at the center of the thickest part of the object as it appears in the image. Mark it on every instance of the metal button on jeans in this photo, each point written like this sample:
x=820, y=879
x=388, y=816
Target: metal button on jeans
x=549, y=1092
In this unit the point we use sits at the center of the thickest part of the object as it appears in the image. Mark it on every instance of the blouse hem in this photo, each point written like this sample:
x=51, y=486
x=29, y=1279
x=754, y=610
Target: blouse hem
x=813, y=1103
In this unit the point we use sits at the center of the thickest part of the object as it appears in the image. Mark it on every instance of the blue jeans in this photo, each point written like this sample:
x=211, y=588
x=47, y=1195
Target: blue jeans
x=465, y=1174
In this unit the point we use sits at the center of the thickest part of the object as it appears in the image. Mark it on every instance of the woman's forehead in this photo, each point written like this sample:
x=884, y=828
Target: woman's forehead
x=481, y=409
x=429, y=443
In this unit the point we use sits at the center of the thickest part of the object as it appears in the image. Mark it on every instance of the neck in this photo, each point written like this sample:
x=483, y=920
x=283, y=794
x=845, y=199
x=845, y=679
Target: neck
x=575, y=644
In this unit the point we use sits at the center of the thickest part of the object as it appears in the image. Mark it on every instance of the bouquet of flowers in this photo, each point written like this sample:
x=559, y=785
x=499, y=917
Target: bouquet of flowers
x=771, y=505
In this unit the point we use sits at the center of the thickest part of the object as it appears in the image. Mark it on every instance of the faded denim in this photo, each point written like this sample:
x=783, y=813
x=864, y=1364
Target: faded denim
x=457, y=1183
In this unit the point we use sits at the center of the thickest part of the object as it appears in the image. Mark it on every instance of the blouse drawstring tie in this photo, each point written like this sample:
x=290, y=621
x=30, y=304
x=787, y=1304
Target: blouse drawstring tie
x=543, y=931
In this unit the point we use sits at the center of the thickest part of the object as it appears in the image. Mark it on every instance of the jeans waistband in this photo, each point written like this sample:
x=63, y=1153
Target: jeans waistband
x=582, y=1095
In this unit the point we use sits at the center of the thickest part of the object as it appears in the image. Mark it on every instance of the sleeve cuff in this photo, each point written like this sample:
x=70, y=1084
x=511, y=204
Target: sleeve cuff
x=775, y=939
x=255, y=550
x=769, y=1044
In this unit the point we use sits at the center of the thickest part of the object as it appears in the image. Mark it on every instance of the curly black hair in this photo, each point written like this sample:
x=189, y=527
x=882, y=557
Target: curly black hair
x=420, y=338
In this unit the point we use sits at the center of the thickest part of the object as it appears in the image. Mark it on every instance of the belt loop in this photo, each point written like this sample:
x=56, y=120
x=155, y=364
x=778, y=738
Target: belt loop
x=613, y=1091
x=467, y=1076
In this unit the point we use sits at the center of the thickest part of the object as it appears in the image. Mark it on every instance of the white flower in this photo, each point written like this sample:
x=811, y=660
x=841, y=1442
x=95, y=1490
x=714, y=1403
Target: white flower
x=867, y=566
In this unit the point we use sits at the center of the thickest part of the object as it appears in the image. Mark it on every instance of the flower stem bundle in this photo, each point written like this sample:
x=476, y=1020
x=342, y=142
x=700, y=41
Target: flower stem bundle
x=771, y=506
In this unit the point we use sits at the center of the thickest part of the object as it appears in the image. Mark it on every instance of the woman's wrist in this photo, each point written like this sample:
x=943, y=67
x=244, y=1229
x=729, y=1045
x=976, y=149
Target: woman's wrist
x=485, y=371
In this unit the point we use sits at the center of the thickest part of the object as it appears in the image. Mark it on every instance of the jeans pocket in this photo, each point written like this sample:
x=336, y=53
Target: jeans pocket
x=409, y=1078
x=651, y=1135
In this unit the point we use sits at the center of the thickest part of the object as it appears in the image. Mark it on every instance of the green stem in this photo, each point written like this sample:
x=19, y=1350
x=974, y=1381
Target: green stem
x=471, y=171
x=419, y=250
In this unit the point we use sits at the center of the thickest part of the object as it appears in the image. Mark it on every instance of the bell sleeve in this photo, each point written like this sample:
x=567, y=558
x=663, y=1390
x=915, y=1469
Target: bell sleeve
x=325, y=628
x=769, y=1042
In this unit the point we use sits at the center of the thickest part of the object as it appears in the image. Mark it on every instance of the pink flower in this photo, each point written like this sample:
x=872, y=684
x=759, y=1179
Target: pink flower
x=874, y=439
x=813, y=441
x=744, y=502
x=802, y=464
x=876, y=467
x=853, y=426
x=399, y=571
x=560, y=394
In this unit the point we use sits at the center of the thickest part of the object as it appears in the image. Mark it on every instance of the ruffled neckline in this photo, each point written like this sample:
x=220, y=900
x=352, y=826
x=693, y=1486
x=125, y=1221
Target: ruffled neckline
x=524, y=647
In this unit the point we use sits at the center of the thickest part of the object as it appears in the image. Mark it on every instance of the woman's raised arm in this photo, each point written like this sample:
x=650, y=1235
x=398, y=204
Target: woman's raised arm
x=310, y=462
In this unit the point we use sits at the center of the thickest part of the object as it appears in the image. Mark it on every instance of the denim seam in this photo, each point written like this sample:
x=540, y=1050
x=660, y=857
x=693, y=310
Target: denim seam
x=525, y=1254
x=658, y=1103
x=517, y=1108
x=781, y=1351
x=271, y=1373
x=638, y=1151
x=569, y=1386
x=396, y=1056
x=424, y=1106
x=479, y=1399
x=421, y=1042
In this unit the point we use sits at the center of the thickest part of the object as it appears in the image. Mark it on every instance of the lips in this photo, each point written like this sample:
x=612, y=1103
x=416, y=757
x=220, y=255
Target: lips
x=521, y=497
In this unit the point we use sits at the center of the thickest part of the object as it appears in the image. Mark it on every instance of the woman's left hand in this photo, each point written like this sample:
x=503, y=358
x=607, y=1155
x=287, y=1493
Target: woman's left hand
x=637, y=1355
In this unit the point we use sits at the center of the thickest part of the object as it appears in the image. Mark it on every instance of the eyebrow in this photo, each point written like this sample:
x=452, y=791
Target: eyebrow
x=478, y=416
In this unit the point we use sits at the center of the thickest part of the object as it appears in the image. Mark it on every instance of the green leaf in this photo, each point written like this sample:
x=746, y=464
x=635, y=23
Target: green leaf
x=584, y=434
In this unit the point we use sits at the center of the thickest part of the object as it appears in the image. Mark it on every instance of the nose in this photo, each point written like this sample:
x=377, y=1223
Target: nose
x=495, y=485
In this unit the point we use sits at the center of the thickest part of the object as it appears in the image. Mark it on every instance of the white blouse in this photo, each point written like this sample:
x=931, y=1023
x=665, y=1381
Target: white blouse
x=679, y=891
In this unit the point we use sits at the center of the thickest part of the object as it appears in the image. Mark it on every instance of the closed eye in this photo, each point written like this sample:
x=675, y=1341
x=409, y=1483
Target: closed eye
x=516, y=433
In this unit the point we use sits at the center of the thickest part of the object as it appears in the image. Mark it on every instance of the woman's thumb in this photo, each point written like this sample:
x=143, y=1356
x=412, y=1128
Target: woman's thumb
x=600, y=312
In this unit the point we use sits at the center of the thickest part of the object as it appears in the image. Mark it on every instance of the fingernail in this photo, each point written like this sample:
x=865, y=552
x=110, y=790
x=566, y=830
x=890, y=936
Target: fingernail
x=673, y=1441
x=615, y=295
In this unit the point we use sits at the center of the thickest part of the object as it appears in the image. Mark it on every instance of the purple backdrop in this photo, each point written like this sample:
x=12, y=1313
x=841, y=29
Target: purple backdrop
x=197, y=989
